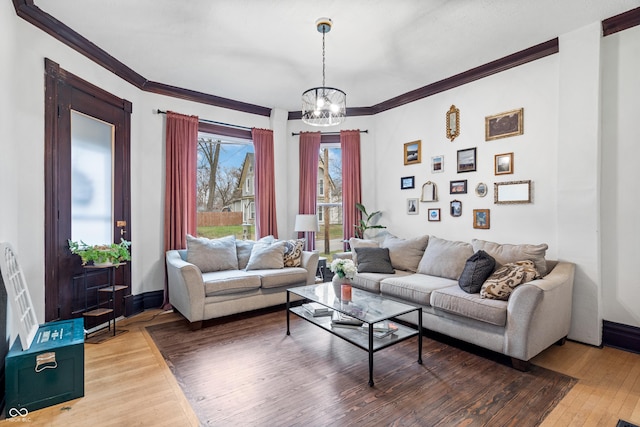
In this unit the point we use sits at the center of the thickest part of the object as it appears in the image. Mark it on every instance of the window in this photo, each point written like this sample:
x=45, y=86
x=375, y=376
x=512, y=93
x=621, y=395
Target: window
x=329, y=205
x=225, y=187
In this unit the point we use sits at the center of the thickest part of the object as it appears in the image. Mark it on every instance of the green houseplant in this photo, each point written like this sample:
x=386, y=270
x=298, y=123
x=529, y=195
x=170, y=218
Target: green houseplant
x=101, y=254
x=365, y=221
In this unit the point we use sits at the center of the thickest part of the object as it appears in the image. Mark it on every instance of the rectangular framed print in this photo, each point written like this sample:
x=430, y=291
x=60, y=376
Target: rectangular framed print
x=407, y=182
x=437, y=164
x=434, y=214
x=467, y=160
x=481, y=218
x=412, y=206
x=412, y=153
x=503, y=164
x=503, y=125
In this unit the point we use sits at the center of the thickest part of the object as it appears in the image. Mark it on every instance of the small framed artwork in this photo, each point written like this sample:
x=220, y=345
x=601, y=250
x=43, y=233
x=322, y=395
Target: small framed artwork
x=467, y=160
x=437, y=164
x=503, y=164
x=482, y=189
x=434, y=214
x=456, y=208
x=412, y=206
x=458, y=187
x=407, y=182
x=412, y=153
x=481, y=218
x=503, y=125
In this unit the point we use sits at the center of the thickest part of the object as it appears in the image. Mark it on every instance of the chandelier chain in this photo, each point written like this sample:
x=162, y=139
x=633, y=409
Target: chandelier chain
x=323, y=59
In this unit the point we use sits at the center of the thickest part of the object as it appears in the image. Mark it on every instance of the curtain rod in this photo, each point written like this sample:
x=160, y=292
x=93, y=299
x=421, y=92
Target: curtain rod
x=214, y=122
x=329, y=133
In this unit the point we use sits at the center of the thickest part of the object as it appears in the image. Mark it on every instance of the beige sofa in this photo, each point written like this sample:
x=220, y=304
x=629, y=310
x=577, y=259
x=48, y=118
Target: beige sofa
x=536, y=314
x=232, y=282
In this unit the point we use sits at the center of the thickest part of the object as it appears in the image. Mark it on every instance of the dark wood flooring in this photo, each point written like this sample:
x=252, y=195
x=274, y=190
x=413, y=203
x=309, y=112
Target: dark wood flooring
x=246, y=371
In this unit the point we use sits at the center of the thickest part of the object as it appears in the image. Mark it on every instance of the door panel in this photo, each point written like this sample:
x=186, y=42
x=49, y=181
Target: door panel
x=87, y=190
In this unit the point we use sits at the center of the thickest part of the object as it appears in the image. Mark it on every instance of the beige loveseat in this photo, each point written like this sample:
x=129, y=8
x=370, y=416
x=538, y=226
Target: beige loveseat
x=426, y=269
x=218, y=277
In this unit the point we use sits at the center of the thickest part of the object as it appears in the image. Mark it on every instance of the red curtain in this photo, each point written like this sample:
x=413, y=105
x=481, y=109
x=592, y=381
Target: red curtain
x=180, y=188
x=308, y=192
x=266, y=223
x=351, y=187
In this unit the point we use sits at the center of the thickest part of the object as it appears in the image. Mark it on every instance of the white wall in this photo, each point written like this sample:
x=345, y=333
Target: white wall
x=620, y=176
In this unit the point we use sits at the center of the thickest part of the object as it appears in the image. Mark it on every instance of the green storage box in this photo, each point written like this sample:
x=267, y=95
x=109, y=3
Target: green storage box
x=51, y=371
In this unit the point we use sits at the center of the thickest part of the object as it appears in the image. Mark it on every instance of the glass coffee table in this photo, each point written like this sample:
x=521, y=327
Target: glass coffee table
x=366, y=307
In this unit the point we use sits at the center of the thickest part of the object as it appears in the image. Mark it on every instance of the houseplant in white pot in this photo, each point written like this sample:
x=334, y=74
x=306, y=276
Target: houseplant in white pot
x=101, y=255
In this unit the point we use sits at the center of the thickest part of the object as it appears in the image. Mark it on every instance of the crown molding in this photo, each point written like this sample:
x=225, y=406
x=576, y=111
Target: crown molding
x=620, y=22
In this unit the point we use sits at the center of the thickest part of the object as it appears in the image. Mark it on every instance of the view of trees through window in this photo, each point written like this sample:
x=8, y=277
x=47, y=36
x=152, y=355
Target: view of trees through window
x=329, y=206
x=225, y=187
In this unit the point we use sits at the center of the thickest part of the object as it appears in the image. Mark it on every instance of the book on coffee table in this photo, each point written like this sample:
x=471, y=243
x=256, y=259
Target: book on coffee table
x=380, y=329
x=316, y=310
x=345, y=320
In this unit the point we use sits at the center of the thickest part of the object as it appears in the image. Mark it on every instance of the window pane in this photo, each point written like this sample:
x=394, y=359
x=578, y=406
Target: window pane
x=91, y=180
x=225, y=187
x=329, y=238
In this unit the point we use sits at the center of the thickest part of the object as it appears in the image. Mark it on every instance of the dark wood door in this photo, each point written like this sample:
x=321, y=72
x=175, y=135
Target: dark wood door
x=69, y=289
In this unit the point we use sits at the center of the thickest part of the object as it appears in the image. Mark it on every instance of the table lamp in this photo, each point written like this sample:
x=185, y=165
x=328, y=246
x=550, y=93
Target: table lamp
x=306, y=223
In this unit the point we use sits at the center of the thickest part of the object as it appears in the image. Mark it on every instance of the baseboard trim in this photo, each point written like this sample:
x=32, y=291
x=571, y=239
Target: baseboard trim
x=141, y=302
x=623, y=337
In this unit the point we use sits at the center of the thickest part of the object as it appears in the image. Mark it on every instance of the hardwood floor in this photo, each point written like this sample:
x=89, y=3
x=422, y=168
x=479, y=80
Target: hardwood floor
x=128, y=383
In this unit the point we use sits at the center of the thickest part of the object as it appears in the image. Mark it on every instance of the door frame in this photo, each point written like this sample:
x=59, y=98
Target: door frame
x=57, y=81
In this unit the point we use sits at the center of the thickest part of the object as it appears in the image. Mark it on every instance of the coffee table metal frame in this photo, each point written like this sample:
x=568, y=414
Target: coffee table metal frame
x=365, y=306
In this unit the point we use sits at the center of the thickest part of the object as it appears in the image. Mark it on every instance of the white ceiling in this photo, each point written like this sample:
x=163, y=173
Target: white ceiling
x=267, y=52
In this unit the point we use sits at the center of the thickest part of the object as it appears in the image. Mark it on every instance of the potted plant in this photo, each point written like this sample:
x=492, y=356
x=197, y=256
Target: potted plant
x=365, y=221
x=101, y=255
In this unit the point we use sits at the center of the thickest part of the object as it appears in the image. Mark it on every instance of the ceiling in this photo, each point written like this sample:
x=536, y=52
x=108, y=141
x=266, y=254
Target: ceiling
x=267, y=52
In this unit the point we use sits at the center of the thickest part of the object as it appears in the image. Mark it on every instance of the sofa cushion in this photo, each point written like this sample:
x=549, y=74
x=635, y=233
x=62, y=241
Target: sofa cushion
x=476, y=270
x=506, y=253
x=414, y=288
x=243, y=248
x=454, y=300
x=293, y=252
x=374, y=260
x=266, y=256
x=444, y=258
x=354, y=242
x=371, y=281
x=504, y=280
x=212, y=254
x=229, y=281
x=284, y=277
x=405, y=254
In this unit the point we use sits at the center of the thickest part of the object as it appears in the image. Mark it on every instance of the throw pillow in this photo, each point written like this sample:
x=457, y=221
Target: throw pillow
x=212, y=254
x=243, y=248
x=354, y=243
x=444, y=258
x=506, y=253
x=374, y=260
x=266, y=256
x=504, y=280
x=405, y=254
x=293, y=252
x=477, y=269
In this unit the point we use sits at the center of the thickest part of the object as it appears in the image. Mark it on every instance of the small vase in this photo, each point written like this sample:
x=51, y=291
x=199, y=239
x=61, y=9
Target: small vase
x=337, y=283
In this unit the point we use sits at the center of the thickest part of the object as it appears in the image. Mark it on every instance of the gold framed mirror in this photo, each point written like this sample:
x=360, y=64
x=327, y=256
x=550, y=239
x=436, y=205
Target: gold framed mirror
x=453, y=123
x=512, y=192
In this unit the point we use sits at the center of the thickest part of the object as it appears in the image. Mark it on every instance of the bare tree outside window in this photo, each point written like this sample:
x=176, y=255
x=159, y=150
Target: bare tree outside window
x=329, y=205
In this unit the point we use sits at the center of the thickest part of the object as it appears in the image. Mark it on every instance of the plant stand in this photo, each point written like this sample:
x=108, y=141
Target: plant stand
x=110, y=289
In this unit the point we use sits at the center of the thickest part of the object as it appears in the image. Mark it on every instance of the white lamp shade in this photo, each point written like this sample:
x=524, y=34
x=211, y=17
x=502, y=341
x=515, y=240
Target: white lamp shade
x=306, y=222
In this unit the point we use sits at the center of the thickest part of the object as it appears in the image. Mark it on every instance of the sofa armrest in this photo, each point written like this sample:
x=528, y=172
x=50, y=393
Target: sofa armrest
x=539, y=313
x=309, y=262
x=186, y=288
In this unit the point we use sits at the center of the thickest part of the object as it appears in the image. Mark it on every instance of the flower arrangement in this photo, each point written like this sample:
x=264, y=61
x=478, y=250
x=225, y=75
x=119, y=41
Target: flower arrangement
x=343, y=268
x=101, y=254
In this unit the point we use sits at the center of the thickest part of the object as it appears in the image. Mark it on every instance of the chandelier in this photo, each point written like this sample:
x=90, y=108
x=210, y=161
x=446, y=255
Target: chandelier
x=324, y=106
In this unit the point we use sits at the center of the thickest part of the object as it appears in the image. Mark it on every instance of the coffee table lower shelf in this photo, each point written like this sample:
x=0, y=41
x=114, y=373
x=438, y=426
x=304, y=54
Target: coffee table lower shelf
x=363, y=340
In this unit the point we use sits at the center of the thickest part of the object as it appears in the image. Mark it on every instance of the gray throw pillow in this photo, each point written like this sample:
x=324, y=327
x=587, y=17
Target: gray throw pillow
x=266, y=257
x=212, y=254
x=374, y=260
x=444, y=258
x=476, y=270
x=405, y=254
x=506, y=253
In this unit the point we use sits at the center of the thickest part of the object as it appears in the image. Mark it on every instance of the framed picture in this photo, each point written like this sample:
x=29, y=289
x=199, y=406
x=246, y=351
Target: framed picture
x=434, y=214
x=458, y=187
x=503, y=125
x=456, y=208
x=407, y=182
x=481, y=218
x=482, y=189
x=412, y=206
x=503, y=163
x=437, y=164
x=467, y=160
x=412, y=153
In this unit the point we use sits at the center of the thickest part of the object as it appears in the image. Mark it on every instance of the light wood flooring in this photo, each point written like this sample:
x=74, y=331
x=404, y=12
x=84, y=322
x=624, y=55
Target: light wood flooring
x=128, y=383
